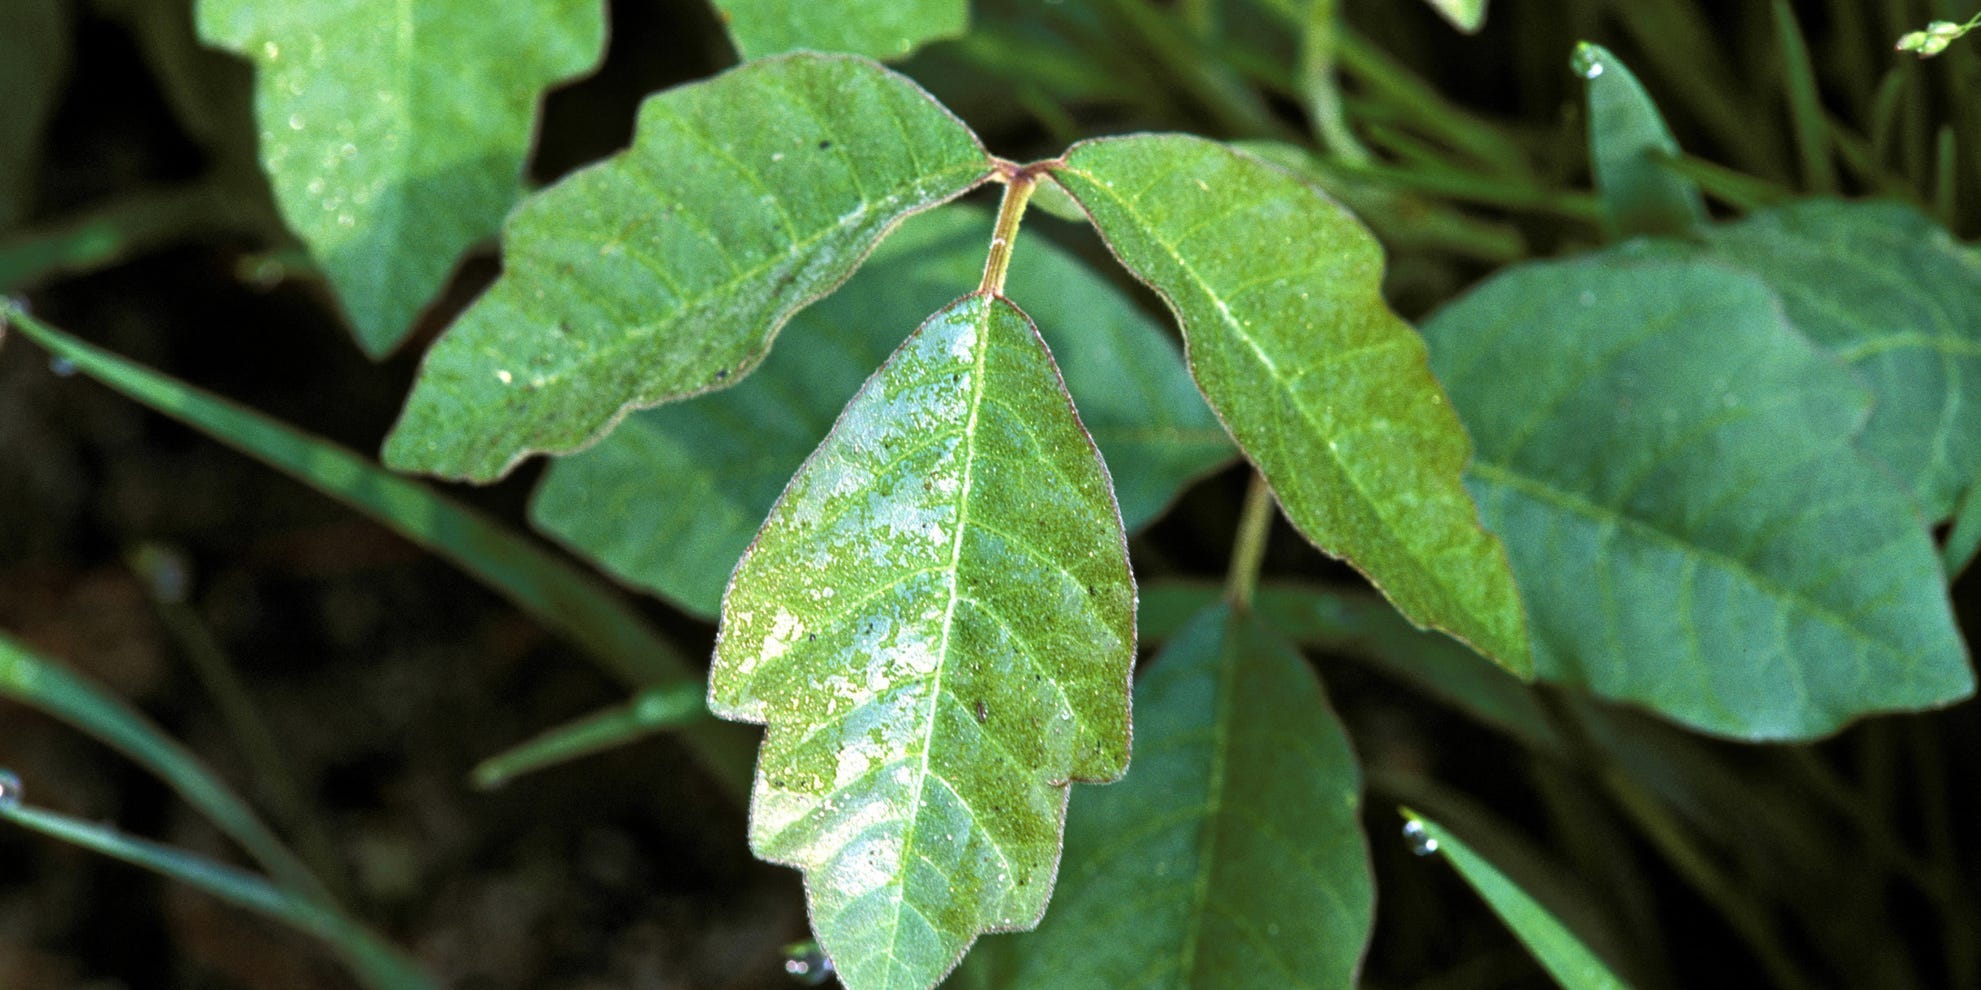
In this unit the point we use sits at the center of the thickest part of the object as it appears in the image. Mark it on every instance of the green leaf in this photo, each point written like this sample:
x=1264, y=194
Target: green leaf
x=1892, y=295
x=376, y=962
x=1232, y=855
x=937, y=625
x=1366, y=628
x=1628, y=143
x=1324, y=388
x=1466, y=15
x=560, y=595
x=672, y=497
x=34, y=62
x=1559, y=951
x=667, y=270
x=1669, y=462
x=394, y=132
x=885, y=29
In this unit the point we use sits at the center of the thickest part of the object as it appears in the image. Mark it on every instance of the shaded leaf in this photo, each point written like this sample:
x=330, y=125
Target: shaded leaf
x=394, y=133
x=1895, y=297
x=671, y=498
x=34, y=63
x=1669, y=463
x=1559, y=951
x=1628, y=141
x=1232, y=854
x=667, y=270
x=885, y=29
x=649, y=713
x=937, y=625
x=1324, y=388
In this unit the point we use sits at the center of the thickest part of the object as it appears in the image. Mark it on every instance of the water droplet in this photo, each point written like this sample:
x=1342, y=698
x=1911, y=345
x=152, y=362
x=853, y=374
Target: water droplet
x=295, y=122
x=10, y=790
x=1587, y=60
x=347, y=150
x=346, y=220
x=1587, y=298
x=504, y=376
x=270, y=50
x=1421, y=843
x=62, y=367
x=807, y=964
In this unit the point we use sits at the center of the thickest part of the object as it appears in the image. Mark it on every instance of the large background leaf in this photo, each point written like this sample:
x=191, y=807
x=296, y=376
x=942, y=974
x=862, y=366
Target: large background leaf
x=1325, y=389
x=671, y=498
x=667, y=270
x=1669, y=462
x=937, y=625
x=394, y=131
x=878, y=28
x=1231, y=855
x=1896, y=298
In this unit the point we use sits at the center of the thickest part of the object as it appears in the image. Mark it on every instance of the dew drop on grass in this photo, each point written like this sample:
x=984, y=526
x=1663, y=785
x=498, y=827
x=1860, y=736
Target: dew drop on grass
x=62, y=367
x=1421, y=843
x=807, y=964
x=10, y=790
x=1586, y=62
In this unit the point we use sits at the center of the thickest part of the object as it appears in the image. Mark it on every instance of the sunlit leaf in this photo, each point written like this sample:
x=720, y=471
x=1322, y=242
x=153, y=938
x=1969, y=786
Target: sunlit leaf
x=671, y=498
x=1895, y=297
x=1465, y=15
x=1627, y=140
x=937, y=624
x=1559, y=951
x=884, y=29
x=667, y=270
x=394, y=132
x=1324, y=388
x=1669, y=462
x=1232, y=854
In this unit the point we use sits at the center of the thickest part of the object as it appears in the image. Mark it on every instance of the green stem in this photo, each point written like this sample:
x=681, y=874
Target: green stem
x=1018, y=186
x=1249, y=553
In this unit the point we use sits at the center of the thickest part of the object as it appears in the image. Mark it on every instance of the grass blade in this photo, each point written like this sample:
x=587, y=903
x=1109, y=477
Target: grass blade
x=1805, y=105
x=556, y=593
x=1558, y=950
x=650, y=712
x=377, y=964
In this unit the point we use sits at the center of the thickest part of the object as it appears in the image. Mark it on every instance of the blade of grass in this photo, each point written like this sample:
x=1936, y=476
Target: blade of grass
x=1805, y=104
x=1559, y=951
x=1737, y=189
x=46, y=686
x=650, y=712
x=1946, y=177
x=1391, y=83
x=377, y=963
x=1320, y=88
x=554, y=592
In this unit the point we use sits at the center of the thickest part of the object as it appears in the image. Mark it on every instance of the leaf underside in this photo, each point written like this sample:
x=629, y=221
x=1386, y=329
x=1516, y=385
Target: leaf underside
x=667, y=270
x=1232, y=855
x=885, y=29
x=937, y=625
x=1324, y=388
x=672, y=497
x=1892, y=295
x=1669, y=463
x=373, y=160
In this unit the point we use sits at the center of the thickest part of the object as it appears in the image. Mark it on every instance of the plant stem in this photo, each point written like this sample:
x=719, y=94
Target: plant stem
x=1018, y=185
x=1254, y=527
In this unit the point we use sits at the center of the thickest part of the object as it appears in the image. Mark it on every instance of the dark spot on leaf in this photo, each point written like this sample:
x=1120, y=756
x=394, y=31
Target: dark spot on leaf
x=721, y=374
x=983, y=713
x=823, y=145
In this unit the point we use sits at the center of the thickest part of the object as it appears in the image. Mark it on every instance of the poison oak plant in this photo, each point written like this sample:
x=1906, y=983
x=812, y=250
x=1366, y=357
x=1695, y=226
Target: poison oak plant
x=895, y=450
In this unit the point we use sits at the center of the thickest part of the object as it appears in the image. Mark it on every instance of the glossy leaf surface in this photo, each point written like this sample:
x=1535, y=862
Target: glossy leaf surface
x=937, y=625
x=1627, y=139
x=394, y=132
x=1895, y=297
x=1232, y=854
x=671, y=498
x=1669, y=462
x=1324, y=388
x=1558, y=950
x=885, y=29
x=667, y=270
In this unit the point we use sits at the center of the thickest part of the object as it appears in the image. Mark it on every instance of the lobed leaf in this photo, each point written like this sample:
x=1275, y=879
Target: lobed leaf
x=1628, y=144
x=667, y=270
x=884, y=29
x=1324, y=388
x=1563, y=955
x=937, y=625
x=394, y=133
x=1233, y=855
x=1892, y=295
x=672, y=497
x=1670, y=465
